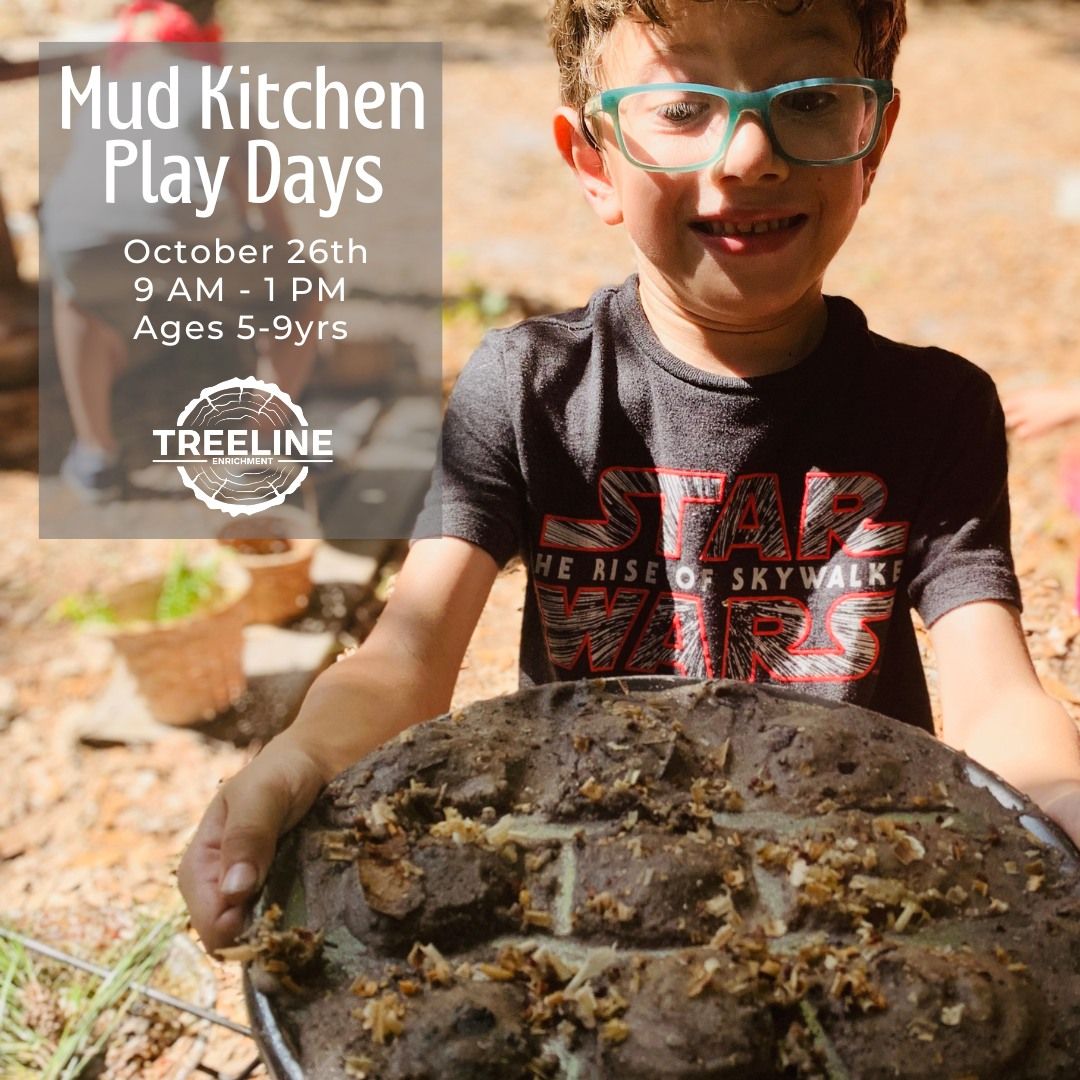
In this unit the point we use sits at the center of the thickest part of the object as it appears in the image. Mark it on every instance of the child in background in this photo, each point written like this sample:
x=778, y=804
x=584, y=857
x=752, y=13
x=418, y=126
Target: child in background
x=94, y=312
x=1036, y=410
x=712, y=469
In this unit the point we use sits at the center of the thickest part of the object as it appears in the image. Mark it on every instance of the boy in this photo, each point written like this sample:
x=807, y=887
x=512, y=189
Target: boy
x=711, y=470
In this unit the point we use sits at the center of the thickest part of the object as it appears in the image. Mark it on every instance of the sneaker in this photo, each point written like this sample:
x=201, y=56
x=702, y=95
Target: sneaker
x=93, y=475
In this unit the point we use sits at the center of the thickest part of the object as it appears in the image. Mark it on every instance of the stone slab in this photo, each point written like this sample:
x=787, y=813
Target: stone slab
x=333, y=565
x=280, y=665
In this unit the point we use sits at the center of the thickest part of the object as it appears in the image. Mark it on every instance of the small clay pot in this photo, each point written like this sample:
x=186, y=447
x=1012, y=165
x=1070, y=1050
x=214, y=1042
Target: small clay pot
x=276, y=549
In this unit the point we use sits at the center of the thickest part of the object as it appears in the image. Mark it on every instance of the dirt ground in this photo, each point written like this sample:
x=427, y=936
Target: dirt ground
x=969, y=241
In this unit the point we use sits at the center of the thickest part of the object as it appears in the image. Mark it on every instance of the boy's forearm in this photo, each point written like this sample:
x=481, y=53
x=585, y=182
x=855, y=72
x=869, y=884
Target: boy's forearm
x=995, y=709
x=1030, y=741
x=358, y=704
x=406, y=669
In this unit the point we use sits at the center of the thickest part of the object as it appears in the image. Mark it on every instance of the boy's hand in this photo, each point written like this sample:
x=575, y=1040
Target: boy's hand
x=1064, y=808
x=230, y=854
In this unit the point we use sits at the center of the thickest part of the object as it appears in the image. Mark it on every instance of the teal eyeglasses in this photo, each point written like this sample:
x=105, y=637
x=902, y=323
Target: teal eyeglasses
x=680, y=127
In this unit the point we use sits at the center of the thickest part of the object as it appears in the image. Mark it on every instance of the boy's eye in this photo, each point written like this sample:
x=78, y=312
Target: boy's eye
x=812, y=101
x=665, y=110
x=682, y=112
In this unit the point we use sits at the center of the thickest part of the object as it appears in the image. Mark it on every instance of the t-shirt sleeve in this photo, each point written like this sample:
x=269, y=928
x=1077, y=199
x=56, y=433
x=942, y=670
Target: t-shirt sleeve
x=960, y=540
x=477, y=492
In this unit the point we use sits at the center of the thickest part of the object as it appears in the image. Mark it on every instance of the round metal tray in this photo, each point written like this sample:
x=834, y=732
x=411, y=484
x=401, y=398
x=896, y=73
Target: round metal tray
x=277, y=1049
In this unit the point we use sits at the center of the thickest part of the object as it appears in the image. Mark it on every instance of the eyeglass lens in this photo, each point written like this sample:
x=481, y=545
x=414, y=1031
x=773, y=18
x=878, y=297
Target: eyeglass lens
x=680, y=128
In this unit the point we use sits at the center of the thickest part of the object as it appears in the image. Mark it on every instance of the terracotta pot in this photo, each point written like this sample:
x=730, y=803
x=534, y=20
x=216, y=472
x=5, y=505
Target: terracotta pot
x=276, y=550
x=189, y=669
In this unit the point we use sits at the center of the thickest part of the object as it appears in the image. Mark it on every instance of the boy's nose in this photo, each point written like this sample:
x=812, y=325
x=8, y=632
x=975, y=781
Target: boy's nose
x=750, y=155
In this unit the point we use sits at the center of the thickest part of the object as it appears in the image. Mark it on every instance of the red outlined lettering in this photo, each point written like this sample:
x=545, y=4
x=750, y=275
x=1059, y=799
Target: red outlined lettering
x=618, y=490
x=838, y=508
x=752, y=517
x=674, y=639
x=766, y=634
x=595, y=622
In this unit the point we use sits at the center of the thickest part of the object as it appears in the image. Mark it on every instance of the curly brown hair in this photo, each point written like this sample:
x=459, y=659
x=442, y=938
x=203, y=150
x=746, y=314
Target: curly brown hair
x=578, y=28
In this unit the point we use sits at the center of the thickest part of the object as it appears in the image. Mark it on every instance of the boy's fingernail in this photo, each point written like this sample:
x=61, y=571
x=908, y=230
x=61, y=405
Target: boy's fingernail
x=241, y=878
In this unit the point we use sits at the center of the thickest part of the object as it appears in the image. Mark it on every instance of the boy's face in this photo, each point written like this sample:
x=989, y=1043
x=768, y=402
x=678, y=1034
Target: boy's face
x=676, y=221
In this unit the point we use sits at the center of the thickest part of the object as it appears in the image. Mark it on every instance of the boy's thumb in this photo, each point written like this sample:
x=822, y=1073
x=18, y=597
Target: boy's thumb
x=240, y=879
x=267, y=797
x=247, y=844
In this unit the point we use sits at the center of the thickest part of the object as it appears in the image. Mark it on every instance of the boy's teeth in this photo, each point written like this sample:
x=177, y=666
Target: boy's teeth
x=729, y=228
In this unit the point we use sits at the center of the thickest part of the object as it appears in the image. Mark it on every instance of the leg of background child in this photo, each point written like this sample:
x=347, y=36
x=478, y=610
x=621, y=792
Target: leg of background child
x=91, y=355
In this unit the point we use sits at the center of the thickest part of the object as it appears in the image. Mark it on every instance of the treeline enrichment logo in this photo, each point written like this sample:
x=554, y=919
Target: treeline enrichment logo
x=243, y=446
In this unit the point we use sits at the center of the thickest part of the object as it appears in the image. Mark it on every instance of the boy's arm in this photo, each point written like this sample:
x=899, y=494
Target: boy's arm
x=996, y=711
x=404, y=672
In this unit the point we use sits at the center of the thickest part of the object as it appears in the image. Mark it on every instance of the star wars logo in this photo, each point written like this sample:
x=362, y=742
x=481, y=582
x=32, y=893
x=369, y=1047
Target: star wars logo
x=701, y=574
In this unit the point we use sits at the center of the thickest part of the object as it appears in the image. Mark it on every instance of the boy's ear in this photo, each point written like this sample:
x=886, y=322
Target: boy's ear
x=587, y=164
x=873, y=159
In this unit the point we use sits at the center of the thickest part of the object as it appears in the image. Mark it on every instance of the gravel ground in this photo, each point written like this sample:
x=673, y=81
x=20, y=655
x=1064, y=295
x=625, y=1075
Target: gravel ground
x=969, y=241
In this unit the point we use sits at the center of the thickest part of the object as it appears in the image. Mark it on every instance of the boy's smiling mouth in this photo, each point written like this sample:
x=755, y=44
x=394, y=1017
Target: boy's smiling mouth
x=726, y=227
x=748, y=234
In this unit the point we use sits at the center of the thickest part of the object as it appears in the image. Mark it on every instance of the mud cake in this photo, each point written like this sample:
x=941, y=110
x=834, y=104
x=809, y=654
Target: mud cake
x=709, y=880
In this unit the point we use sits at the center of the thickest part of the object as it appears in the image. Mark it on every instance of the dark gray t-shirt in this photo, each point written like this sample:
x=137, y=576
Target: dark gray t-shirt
x=773, y=529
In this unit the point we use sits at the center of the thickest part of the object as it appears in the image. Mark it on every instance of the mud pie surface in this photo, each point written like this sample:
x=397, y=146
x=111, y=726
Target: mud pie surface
x=709, y=880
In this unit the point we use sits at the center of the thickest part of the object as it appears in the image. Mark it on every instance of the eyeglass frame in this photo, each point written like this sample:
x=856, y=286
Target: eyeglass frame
x=758, y=102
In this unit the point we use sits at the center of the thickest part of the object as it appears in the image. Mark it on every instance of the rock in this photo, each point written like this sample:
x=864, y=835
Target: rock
x=334, y=565
x=269, y=650
x=118, y=716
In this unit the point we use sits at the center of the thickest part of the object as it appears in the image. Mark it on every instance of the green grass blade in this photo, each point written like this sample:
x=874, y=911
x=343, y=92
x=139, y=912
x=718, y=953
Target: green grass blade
x=104, y=1010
